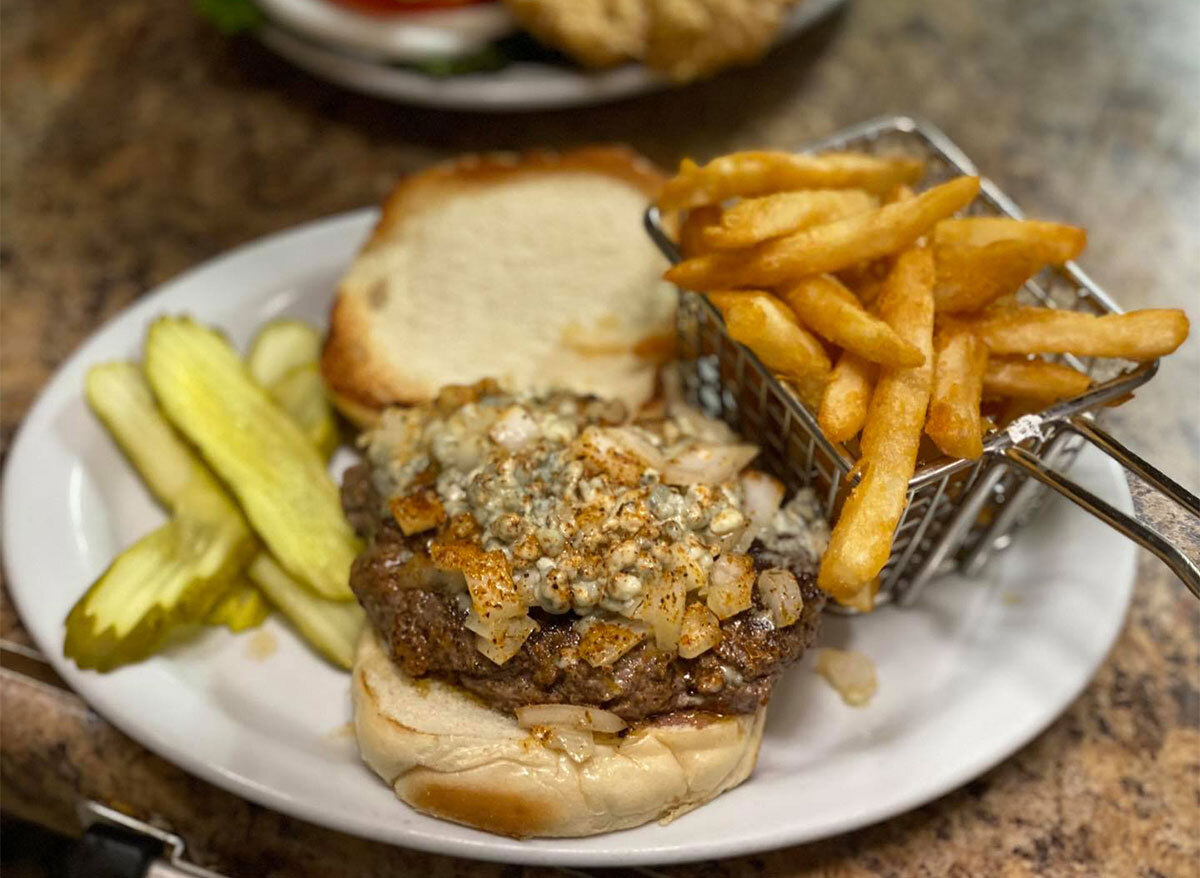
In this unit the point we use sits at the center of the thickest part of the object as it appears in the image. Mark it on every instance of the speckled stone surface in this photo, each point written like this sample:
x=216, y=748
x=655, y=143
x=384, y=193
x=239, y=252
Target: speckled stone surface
x=137, y=142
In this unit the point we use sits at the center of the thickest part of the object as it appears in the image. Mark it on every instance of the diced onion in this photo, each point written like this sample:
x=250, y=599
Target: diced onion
x=569, y=716
x=689, y=569
x=730, y=585
x=708, y=464
x=706, y=429
x=578, y=744
x=763, y=495
x=780, y=594
x=632, y=442
x=494, y=595
x=475, y=625
x=603, y=642
x=662, y=609
x=505, y=639
x=514, y=429
x=851, y=673
x=700, y=633
x=417, y=512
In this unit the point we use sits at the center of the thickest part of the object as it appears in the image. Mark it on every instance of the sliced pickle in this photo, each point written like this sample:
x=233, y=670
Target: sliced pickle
x=175, y=574
x=330, y=626
x=284, y=358
x=122, y=400
x=301, y=393
x=168, y=578
x=256, y=449
x=241, y=607
x=280, y=347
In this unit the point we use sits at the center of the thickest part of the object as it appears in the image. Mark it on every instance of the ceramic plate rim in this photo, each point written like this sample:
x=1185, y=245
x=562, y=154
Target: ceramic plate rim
x=352, y=226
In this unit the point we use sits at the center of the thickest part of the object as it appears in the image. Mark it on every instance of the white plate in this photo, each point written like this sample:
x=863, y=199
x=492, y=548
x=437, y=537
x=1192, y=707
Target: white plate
x=523, y=86
x=410, y=36
x=966, y=678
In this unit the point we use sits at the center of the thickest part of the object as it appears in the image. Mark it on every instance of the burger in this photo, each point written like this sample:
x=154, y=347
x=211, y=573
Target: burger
x=576, y=616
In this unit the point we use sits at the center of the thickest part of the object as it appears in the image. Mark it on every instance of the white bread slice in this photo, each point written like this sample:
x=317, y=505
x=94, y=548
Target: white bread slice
x=531, y=269
x=445, y=753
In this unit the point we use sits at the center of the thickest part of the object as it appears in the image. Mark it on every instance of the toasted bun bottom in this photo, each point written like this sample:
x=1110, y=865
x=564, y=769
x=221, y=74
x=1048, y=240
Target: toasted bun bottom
x=447, y=754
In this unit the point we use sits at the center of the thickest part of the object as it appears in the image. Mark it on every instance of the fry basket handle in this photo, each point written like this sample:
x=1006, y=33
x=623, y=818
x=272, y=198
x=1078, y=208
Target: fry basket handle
x=1135, y=464
x=1170, y=554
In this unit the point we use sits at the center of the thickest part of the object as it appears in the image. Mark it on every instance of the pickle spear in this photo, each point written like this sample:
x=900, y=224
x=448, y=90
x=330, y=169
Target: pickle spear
x=175, y=574
x=301, y=393
x=283, y=359
x=280, y=347
x=120, y=397
x=330, y=626
x=241, y=607
x=257, y=450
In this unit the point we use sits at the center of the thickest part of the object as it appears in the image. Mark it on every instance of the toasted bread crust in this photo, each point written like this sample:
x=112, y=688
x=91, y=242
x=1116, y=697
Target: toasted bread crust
x=359, y=385
x=486, y=168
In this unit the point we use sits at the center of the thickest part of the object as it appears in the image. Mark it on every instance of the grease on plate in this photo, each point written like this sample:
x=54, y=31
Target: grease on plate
x=851, y=673
x=261, y=645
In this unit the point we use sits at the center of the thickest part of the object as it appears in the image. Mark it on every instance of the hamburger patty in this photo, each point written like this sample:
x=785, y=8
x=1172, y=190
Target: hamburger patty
x=424, y=627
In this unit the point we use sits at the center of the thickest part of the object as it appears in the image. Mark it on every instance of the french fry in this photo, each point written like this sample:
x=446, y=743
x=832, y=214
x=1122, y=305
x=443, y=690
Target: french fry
x=970, y=277
x=980, y=259
x=863, y=600
x=770, y=329
x=954, y=422
x=828, y=247
x=1136, y=335
x=1017, y=408
x=1033, y=380
x=862, y=537
x=1056, y=241
x=691, y=231
x=755, y=220
x=749, y=174
x=832, y=311
x=847, y=395
x=865, y=279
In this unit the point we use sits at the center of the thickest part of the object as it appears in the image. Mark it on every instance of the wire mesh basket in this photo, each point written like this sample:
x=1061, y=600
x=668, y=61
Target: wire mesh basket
x=959, y=512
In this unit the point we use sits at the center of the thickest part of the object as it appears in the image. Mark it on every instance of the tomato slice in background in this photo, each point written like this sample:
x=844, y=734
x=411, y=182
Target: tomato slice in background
x=399, y=7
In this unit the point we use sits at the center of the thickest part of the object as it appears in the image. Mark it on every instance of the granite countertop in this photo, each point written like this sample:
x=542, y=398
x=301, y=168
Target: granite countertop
x=138, y=142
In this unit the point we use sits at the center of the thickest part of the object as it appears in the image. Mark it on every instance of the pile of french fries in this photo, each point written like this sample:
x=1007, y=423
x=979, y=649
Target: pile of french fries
x=236, y=452
x=888, y=316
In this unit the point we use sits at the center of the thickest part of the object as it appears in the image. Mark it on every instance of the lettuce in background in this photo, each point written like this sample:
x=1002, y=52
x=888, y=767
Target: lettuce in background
x=230, y=16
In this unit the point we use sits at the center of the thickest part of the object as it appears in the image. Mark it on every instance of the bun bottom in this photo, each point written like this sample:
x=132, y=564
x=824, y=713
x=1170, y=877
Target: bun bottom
x=449, y=755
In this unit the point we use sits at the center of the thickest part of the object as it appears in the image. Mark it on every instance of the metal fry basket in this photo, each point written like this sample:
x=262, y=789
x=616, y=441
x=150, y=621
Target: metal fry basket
x=960, y=512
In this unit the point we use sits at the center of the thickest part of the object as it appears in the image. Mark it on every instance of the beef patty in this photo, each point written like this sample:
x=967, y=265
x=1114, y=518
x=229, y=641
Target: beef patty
x=424, y=628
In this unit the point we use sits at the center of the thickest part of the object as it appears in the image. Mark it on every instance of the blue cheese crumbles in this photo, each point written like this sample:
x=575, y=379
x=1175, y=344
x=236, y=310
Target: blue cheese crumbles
x=561, y=502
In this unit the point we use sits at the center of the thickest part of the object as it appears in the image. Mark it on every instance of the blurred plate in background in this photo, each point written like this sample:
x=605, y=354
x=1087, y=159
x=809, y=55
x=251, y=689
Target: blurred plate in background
x=405, y=37
x=521, y=85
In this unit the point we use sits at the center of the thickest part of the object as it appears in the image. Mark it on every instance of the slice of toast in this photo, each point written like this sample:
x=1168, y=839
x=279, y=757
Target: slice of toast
x=532, y=269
